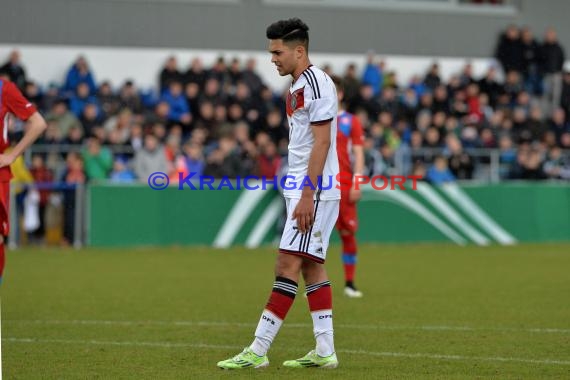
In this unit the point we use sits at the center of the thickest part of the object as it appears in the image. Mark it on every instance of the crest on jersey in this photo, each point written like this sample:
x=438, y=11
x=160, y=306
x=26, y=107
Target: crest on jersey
x=295, y=101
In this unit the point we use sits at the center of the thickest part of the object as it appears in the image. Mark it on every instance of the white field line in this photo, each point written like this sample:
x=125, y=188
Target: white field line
x=349, y=352
x=538, y=330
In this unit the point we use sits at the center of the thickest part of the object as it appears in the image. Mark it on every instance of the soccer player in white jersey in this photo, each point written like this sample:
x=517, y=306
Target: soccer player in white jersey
x=312, y=209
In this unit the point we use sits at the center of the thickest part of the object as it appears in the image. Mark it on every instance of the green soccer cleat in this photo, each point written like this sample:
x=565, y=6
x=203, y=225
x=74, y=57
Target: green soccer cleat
x=313, y=360
x=245, y=359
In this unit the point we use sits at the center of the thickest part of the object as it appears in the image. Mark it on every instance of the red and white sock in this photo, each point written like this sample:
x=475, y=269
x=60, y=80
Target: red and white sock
x=280, y=301
x=320, y=304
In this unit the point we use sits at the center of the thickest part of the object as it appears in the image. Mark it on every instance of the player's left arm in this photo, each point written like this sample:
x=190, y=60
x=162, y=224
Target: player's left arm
x=24, y=110
x=357, y=137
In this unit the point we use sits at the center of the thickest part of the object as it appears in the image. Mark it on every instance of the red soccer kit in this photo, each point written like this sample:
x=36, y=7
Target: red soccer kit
x=349, y=133
x=12, y=102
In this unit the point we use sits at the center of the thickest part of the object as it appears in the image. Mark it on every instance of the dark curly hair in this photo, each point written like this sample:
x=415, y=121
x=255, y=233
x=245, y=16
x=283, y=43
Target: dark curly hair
x=291, y=30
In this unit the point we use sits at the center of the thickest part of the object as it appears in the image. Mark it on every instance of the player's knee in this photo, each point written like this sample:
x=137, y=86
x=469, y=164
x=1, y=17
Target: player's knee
x=288, y=266
x=313, y=272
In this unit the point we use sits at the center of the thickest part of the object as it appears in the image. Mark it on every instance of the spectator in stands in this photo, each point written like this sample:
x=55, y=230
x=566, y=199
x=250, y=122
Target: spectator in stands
x=552, y=59
x=250, y=105
x=418, y=85
x=150, y=159
x=130, y=98
x=14, y=69
x=98, y=160
x=73, y=175
x=513, y=86
x=509, y=50
x=432, y=138
x=80, y=99
x=558, y=124
x=195, y=74
x=269, y=161
x=79, y=73
x=234, y=73
x=391, y=80
x=74, y=136
x=536, y=126
x=466, y=76
x=169, y=73
x=474, y=110
x=43, y=177
x=122, y=123
x=351, y=83
x=389, y=101
x=52, y=135
x=433, y=79
x=63, y=118
x=194, y=155
x=439, y=173
x=507, y=157
x=419, y=170
x=373, y=75
x=490, y=86
x=179, y=108
x=531, y=61
x=192, y=94
x=532, y=166
x=251, y=78
x=109, y=102
x=461, y=164
x=236, y=106
x=49, y=98
x=213, y=92
x=90, y=118
x=488, y=139
x=366, y=101
x=219, y=72
x=225, y=161
x=121, y=172
x=565, y=140
x=136, y=138
x=33, y=93
x=408, y=105
x=172, y=148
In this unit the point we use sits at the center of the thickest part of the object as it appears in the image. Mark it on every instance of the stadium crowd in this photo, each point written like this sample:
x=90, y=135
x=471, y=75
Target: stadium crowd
x=224, y=121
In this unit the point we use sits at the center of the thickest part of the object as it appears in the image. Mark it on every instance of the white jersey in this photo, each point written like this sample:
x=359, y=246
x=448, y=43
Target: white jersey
x=312, y=99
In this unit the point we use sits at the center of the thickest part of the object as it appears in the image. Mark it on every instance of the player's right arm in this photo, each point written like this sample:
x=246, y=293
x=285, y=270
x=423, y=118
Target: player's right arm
x=24, y=110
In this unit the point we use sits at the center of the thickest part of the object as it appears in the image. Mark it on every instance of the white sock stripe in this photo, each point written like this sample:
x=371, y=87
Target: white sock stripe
x=319, y=284
x=293, y=292
x=314, y=287
x=284, y=286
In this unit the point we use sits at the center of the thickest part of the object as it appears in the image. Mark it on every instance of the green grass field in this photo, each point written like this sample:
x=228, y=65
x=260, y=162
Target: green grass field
x=429, y=311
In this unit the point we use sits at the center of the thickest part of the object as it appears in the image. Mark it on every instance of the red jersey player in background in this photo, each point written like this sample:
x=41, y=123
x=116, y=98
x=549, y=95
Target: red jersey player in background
x=13, y=103
x=349, y=143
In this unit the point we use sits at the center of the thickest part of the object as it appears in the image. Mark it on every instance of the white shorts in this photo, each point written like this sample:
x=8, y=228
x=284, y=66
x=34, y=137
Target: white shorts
x=313, y=244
